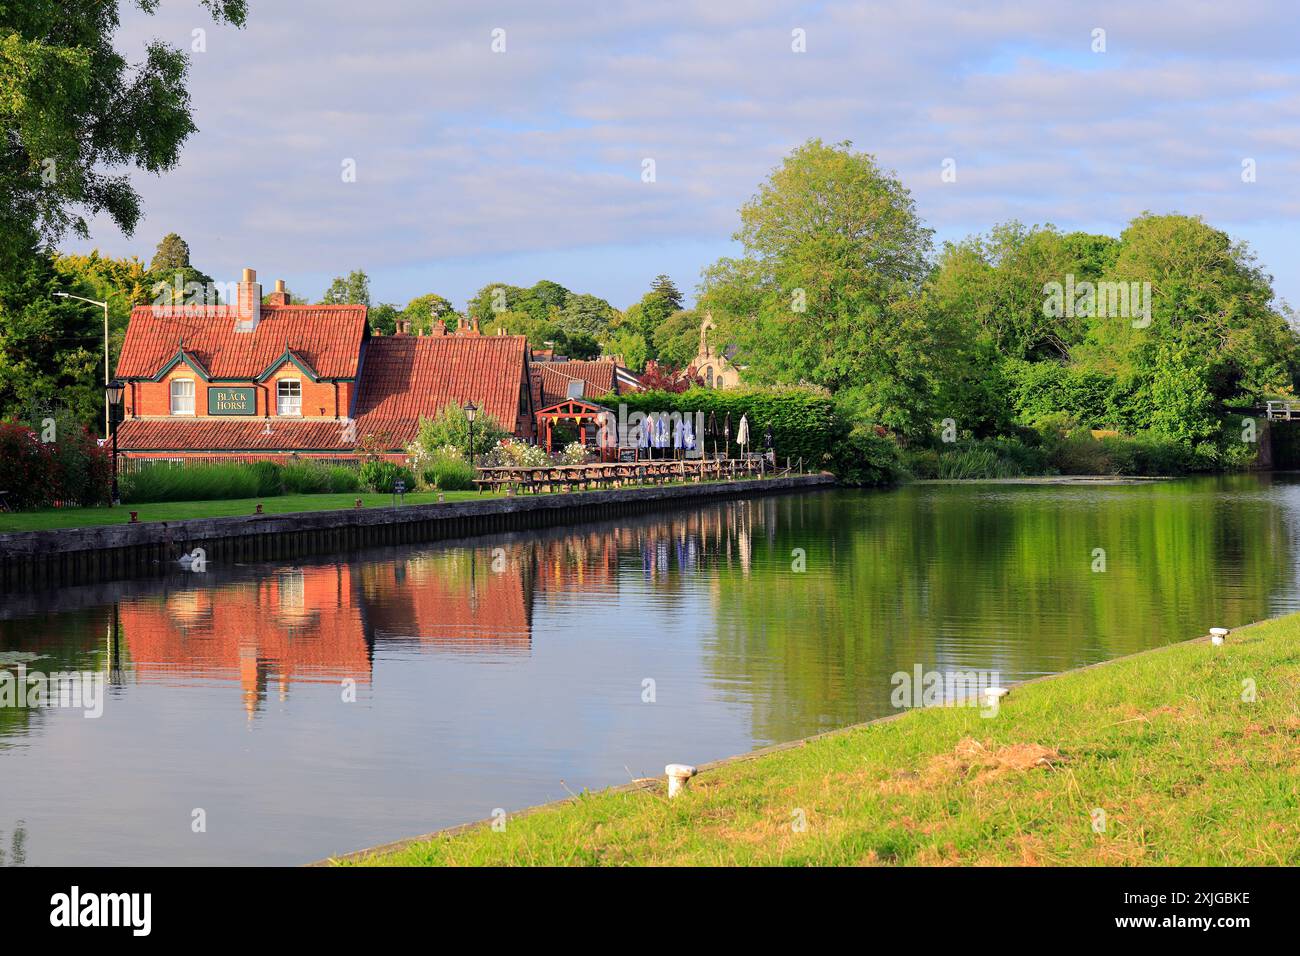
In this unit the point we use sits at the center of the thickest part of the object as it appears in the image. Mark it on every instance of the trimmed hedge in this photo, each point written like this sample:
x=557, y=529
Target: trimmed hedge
x=804, y=424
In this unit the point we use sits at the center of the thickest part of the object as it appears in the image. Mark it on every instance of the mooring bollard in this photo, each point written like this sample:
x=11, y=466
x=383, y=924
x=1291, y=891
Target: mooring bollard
x=993, y=694
x=441, y=497
x=678, y=774
x=1217, y=635
x=358, y=504
x=135, y=517
x=259, y=509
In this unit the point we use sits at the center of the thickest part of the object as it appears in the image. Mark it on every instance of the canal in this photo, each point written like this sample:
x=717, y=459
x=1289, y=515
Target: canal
x=279, y=713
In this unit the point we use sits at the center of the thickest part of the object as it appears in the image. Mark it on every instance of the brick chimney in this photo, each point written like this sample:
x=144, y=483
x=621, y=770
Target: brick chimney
x=438, y=328
x=248, y=304
x=402, y=327
x=280, y=296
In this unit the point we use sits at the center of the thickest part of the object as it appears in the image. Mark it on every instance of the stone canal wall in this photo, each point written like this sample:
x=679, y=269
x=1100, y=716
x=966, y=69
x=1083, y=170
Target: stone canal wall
x=39, y=559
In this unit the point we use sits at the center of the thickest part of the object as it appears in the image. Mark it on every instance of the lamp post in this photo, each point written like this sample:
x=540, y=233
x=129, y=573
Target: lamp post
x=470, y=410
x=113, y=394
x=104, y=306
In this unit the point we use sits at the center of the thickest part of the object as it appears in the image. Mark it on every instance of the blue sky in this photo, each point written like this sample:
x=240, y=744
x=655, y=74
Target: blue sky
x=475, y=166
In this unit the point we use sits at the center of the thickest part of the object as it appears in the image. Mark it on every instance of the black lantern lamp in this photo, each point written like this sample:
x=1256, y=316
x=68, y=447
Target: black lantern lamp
x=113, y=393
x=470, y=410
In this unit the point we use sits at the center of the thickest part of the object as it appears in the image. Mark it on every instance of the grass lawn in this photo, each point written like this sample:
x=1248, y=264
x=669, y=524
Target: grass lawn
x=176, y=510
x=1185, y=771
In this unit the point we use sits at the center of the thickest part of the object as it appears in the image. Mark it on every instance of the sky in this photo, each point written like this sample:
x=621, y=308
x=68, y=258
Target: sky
x=508, y=141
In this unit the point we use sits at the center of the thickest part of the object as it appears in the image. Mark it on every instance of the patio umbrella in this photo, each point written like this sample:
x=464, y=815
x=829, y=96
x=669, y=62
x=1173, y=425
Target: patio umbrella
x=647, y=426
x=711, y=431
x=726, y=434
x=742, y=433
x=688, y=434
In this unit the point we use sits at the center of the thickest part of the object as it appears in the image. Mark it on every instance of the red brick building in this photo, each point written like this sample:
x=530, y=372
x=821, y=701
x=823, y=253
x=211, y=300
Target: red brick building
x=269, y=380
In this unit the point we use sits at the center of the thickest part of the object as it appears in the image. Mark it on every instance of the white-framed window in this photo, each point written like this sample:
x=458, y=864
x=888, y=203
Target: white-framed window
x=288, y=397
x=182, y=396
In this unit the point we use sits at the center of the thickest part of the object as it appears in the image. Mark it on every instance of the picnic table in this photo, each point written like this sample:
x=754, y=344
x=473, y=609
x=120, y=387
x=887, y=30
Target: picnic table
x=614, y=474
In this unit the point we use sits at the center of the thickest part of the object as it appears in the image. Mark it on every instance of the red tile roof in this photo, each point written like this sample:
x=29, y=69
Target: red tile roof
x=599, y=378
x=327, y=337
x=224, y=434
x=404, y=377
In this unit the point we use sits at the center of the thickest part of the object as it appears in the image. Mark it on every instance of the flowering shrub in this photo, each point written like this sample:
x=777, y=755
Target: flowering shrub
x=512, y=452
x=574, y=453
x=73, y=469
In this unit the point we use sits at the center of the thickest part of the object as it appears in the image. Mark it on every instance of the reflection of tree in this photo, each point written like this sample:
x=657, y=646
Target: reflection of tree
x=17, y=855
x=982, y=577
x=76, y=640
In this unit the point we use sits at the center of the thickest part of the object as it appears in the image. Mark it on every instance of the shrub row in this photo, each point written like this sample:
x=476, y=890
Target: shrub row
x=164, y=481
x=71, y=469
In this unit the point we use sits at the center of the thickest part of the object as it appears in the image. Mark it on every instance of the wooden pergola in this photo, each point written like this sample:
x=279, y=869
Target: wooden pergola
x=575, y=410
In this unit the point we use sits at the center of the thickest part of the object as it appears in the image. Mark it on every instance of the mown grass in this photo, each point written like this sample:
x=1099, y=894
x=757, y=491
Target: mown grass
x=1186, y=771
x=51, y=518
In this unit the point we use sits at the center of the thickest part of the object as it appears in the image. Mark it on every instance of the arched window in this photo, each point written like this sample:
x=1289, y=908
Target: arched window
x=708, y=376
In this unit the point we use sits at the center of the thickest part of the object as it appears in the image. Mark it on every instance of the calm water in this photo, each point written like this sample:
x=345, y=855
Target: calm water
x=509, y=671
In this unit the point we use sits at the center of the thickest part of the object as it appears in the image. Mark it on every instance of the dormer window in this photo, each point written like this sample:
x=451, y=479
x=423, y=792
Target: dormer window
x=182, y=396
x=288, y=397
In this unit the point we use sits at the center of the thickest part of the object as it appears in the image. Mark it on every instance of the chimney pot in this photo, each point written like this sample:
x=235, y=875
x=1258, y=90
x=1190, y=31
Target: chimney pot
x=248, y=306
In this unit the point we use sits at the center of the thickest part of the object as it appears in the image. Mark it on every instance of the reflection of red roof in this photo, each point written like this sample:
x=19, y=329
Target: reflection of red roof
x=227, y=434
x=298, y=625
x=443, y=605
x=328, y=337
x=598, y=378
x=405, y=377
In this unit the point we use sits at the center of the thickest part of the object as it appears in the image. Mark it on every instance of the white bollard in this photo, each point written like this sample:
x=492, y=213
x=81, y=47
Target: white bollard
x=678, y=774
x=1217, y=634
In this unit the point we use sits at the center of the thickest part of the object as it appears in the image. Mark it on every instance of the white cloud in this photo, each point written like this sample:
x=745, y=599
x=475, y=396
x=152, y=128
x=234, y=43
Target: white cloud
x=461, y=152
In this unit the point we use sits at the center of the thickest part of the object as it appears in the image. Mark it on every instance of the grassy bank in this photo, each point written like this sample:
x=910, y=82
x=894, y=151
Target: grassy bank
x=49, y=518
x=1185, y=770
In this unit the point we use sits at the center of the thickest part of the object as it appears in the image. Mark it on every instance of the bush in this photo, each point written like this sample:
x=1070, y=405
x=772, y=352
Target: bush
x=574, y=453
x=379, y=476
x=866, y=457
x=450, y=431
x=163, y=481
x=73, y=469
x=449, y=473
x=978, y=458
x=26, y=466
x=512, y=451
x=270, y=478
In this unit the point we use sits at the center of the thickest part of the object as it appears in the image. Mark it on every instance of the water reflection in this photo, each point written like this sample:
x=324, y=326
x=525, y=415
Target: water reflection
x=502, y=672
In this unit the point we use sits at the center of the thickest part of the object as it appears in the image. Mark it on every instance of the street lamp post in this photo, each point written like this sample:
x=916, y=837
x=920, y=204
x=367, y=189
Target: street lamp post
x=470, y=410
x=104, y=306
x=113, y=395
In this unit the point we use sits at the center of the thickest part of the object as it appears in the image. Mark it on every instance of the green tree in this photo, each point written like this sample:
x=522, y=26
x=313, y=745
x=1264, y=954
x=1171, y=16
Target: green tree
x=51, y=349
x=587, y=315
x=835, y=255
x=631, y=346
x=352, y=289
x=173, y=280
x=75, y=115
x=677, y=339
x=424, y=310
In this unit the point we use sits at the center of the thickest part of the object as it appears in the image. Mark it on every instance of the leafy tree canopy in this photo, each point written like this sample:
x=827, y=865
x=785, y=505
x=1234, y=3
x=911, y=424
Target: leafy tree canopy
x=77, y=116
